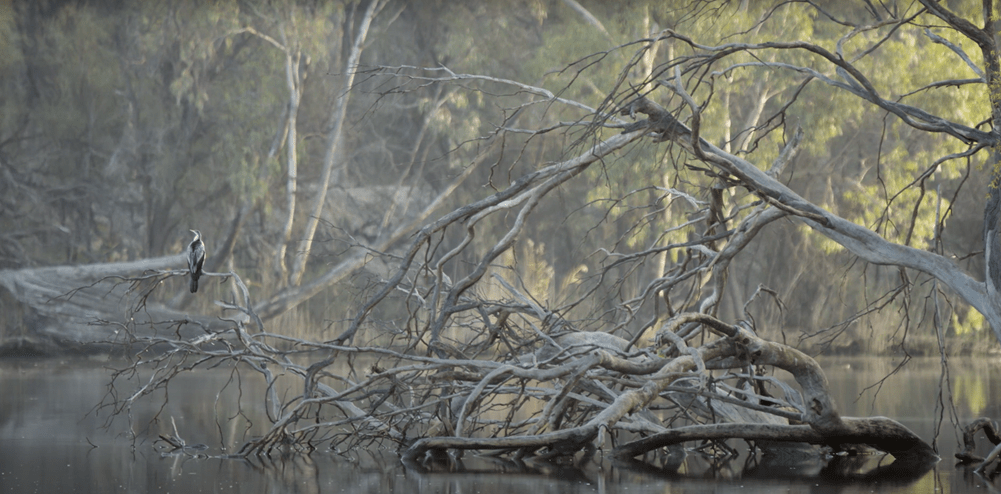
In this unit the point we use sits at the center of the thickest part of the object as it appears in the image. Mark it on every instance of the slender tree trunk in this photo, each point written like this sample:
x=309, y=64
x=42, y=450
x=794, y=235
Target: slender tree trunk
x=992, y=210
x=333, y=146
x=992, y=229
x=295, y=295
x=294, y=78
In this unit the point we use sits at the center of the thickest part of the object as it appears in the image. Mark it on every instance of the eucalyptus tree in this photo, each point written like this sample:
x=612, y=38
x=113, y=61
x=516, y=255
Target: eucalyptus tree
x=953, y=107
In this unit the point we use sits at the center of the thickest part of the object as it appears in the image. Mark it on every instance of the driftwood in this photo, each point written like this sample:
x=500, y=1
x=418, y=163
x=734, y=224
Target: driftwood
x=739, y=349
x=588, y=385
x=990, y=429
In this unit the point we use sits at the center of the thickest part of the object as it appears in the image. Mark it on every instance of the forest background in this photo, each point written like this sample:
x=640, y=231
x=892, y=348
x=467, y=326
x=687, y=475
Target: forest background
x=125, y=124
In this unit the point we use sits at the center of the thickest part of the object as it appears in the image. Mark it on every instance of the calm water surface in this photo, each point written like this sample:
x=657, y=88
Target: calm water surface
x=53, y=440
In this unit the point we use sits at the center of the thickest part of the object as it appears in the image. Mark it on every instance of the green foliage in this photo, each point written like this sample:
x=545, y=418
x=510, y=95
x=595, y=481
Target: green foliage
x=161, y=117
x=969, y=322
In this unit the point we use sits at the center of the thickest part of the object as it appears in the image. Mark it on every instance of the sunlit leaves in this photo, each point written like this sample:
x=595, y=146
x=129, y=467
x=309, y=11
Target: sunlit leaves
x=968, y=320
x=971, y=389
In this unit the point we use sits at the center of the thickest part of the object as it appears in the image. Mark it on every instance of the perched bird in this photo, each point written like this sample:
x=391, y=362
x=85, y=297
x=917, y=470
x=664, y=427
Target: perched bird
x=196, y=257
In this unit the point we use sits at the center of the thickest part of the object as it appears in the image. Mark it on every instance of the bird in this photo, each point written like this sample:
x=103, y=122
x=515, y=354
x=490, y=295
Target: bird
x=196, y=257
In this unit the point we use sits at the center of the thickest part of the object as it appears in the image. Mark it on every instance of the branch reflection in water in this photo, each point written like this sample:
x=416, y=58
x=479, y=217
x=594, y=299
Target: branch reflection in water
x=55, y=441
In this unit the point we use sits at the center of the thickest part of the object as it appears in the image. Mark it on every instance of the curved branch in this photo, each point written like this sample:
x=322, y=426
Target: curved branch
x=857, y=84
x=859, y=240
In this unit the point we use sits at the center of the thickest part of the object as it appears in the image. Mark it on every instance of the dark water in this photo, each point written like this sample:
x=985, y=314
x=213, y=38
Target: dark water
x=51, y=440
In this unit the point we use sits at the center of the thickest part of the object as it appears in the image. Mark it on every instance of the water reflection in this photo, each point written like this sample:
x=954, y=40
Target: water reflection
x=53, y=440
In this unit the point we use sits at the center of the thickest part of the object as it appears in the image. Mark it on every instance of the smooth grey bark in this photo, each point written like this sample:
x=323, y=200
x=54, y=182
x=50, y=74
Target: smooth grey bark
x=294, y=78
x=75, y=303
x=739, y=347
x=986, y=39
x=333, y=152
x=861, y=241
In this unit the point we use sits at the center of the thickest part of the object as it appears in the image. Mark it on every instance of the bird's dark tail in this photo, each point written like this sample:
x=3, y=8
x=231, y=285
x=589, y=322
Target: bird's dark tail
x=194, y=284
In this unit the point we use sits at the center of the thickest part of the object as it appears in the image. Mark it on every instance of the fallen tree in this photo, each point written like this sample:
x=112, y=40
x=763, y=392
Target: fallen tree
x=549, y=401
x=453, y=351
x=511, y=376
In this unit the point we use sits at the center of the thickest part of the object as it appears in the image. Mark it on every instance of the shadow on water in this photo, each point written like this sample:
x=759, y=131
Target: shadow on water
x=53, y=440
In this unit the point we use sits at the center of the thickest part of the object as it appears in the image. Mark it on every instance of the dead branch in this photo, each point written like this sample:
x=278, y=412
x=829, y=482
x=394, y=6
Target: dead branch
x=452, y=350
x=990, y=429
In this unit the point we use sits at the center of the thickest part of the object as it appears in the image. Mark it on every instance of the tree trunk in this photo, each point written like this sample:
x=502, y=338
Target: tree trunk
x=294, y=79
x=333, y=147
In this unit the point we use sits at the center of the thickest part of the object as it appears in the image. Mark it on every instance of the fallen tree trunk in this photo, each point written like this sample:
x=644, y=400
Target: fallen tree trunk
x=738, y=349
x=588, y=386
x=879, y=432
x=439, y=366
x=990, y=429
x=62, y=307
